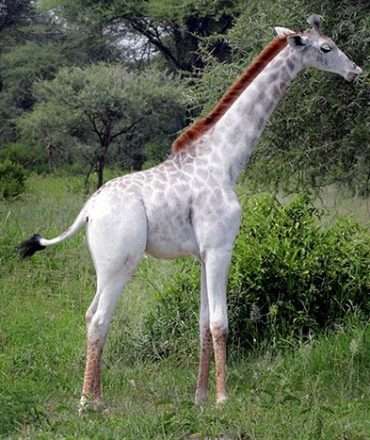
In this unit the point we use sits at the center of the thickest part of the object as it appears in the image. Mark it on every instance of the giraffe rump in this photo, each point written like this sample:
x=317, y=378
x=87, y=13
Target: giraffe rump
x=202, y=125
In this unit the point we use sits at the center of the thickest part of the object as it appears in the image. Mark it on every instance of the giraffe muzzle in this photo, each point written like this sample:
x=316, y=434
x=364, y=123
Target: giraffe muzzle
x=355, y=73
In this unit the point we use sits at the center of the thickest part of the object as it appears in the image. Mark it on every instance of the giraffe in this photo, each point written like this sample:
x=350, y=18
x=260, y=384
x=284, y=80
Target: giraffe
x=186, y=206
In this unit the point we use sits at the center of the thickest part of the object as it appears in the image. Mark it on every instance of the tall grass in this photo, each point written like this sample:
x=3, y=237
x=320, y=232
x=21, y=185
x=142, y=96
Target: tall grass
x=319, y=390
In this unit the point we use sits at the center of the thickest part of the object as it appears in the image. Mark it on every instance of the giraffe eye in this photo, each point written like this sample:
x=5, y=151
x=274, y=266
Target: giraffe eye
x=325, y=48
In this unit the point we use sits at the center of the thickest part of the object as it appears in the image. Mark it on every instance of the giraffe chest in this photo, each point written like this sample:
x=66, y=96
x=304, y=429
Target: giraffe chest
x=170, y=227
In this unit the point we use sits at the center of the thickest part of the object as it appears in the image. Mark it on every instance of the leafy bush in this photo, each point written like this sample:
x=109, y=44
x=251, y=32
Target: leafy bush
x=17, y=153
x=12, y=179
x=171, y=326
x=289, y=278
x=29, y=157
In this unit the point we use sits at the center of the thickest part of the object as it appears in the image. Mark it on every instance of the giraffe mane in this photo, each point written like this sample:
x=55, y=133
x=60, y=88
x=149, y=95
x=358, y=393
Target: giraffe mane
x=202, y=125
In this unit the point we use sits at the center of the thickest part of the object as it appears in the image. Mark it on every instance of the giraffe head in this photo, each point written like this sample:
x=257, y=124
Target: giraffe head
x=320, y=51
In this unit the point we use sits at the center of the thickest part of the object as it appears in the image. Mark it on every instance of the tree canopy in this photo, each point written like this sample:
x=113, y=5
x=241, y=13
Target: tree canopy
x=175, y=30
x=103, y=105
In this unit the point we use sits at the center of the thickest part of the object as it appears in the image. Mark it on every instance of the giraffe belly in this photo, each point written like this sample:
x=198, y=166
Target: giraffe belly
x=171, y=239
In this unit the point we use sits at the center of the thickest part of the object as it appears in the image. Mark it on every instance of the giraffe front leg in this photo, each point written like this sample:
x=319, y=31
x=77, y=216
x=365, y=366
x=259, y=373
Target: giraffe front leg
x=201, y=392
x=217, y=265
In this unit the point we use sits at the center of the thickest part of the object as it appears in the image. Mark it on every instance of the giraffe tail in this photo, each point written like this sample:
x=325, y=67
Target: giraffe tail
x=37, y=243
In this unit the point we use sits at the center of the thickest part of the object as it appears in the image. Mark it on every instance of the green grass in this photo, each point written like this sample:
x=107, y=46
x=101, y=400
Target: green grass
x=319, y=390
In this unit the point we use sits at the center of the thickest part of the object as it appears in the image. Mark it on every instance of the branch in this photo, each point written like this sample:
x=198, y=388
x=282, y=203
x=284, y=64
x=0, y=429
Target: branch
x=126, y=129
x=95, y=128
x=143, y=27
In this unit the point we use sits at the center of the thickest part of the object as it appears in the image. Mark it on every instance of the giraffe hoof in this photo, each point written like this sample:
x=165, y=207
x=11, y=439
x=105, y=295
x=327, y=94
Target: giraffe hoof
x=97, y=405
x=83, y=407
x=86, y=405
x=200, y=397
x=221, y=400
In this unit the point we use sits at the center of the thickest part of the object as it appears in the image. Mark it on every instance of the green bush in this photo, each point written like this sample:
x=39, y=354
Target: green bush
x=290, y=278
x=17, y=153
x=12, y=179
x=27, y=156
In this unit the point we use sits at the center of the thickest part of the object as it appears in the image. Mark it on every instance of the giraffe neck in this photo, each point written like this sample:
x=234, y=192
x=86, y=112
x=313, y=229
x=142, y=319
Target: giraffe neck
x=234, y=136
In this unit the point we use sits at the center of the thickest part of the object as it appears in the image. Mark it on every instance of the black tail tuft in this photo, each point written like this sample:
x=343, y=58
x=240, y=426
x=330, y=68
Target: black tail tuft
x=28, y=247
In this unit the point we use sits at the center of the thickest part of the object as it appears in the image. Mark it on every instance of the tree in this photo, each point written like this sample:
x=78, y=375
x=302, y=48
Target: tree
x=13, y=12
x=99, y=106
x=20, y=68
x=175, y=30
x=34, y=44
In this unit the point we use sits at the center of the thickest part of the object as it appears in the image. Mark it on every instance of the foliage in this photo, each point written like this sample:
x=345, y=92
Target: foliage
x=20, y=68
x=12, y=179
x=13, y=12
x=25, y=65
x=171, y=327
x=289, y=278
x=174, y=30
x=31, y=157
x=101, y=105
x=17, y=153
x=34, y=45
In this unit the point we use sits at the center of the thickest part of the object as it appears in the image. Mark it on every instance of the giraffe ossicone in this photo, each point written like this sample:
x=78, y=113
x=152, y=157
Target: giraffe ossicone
x=187, y=204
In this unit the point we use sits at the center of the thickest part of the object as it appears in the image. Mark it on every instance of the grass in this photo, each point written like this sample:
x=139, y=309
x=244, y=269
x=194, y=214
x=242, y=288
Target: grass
x=318, y=390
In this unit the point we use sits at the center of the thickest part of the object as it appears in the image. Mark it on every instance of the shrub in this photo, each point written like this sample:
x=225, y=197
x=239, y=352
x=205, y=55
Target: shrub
x=289, y=278
x=27, y=156
x=171, y=326
x=12, y=179
x=17, y=153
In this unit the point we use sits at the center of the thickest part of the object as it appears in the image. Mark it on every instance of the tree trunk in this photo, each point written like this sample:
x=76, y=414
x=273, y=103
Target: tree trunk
x=49, y=151
x=105, y=141
x=100, y=170
x=138, y=160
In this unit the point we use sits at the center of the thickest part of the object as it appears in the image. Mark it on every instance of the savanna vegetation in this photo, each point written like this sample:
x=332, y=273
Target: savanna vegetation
x=90, y=90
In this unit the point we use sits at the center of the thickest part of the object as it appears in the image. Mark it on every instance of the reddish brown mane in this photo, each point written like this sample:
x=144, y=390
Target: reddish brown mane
x=199, y=127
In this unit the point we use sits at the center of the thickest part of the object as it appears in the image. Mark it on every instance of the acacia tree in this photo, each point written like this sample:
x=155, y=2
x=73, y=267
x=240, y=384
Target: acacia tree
x=100, y=105
x=176, y=30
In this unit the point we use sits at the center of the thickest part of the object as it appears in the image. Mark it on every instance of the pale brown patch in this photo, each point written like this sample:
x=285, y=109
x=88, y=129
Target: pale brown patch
x=219, y=337
x=203, y=372
x=91, y=386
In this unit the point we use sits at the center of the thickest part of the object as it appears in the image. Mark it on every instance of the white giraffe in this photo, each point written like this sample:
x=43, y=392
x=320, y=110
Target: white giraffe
x=187, y=204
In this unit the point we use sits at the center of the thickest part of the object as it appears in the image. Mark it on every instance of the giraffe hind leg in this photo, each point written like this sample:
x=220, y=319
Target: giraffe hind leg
x=115, y=260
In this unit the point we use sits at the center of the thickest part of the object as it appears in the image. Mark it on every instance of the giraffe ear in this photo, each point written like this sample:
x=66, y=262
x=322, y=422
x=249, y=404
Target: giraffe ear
x=315, y=21
x=282, y=31
x=298, y=41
